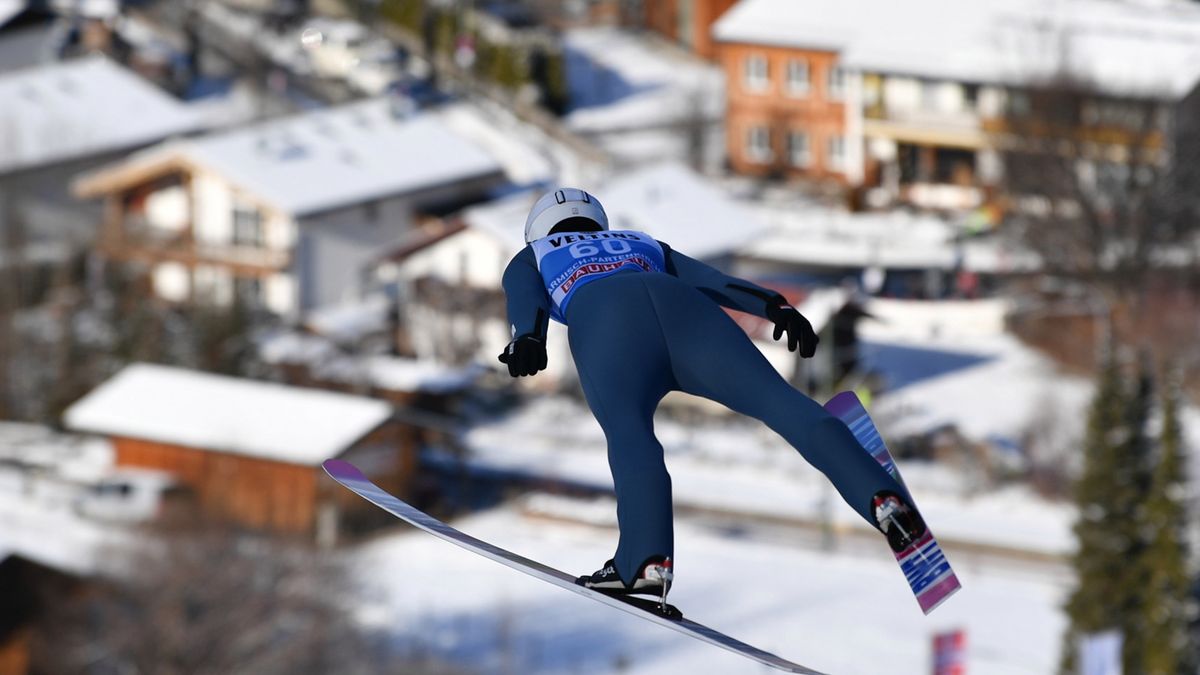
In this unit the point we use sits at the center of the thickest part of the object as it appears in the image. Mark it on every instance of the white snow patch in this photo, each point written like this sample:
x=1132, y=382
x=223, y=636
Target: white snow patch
x=227, y=414
x=841, y=613
x=743, y=467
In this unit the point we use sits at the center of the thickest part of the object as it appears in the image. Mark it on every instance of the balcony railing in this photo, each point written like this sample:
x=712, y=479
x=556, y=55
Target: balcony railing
x=962, y=120
x=136, y=239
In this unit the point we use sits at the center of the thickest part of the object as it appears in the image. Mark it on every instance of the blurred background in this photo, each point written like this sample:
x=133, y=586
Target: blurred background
x=240, y=237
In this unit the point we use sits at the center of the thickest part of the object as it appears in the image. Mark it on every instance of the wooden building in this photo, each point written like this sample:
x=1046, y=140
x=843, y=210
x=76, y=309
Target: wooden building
x=249, y=451
x=841, y=90
x=284, y=214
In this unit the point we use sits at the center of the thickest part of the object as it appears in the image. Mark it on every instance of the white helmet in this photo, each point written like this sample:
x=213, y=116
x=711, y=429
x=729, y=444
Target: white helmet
x=559, y=205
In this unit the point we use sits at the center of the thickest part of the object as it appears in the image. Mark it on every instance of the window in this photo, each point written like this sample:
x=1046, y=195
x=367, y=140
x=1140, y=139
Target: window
x=758, y=144
x=757, y=77
x=931, y=94
x=797, y=77
x=248, y=290
x=837, y=153
x=798, y=149
x=247, y=226
x=970, y=95
x=836, y=83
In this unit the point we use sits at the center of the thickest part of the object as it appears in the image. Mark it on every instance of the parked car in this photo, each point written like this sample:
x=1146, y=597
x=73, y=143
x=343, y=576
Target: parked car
x=129, y=494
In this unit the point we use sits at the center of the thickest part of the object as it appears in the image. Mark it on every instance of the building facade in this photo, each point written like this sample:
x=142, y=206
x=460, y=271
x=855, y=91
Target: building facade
x=688, y=23
x=787, y=112
x=283, y=216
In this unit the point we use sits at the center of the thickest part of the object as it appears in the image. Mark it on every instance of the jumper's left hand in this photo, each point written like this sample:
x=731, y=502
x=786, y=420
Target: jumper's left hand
x=800, y=332
x=525, y=355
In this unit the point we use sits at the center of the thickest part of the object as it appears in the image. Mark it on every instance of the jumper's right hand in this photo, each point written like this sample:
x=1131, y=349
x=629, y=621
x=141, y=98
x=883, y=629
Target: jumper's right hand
x=525, y=355
x=799, y=331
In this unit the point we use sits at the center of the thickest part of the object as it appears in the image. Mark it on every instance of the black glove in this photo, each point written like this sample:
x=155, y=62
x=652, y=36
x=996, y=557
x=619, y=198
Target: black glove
x=525, y=355
x=800, y=331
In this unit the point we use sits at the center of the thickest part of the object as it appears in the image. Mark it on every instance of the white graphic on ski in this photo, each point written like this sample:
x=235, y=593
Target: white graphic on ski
x=925, y=567
x=349, y=475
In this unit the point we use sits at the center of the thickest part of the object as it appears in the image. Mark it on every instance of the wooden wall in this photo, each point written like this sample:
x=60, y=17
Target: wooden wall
x=248, y=491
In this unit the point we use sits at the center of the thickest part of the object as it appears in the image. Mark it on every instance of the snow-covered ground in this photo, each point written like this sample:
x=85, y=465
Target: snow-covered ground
x=43, y=477
x=839, y=613
x=945, y=363
x=743, y=467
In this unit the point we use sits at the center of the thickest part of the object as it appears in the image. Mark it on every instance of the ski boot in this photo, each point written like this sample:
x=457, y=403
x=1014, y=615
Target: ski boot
x=897, y=520
x=653, y=578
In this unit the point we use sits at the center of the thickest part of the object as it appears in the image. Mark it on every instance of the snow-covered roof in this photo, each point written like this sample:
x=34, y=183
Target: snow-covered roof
x=8, y=10
x=71, y=456
x=227, y=414
x=513, y=143
x=674, y=204
x=92, y=9
x=349, y=322
x=75, y=109
x=326, y=159
x=793, y=23
x=392, y=373
x=345, y=155
x=667, y=201
x=822, y=237
x=504, y=218
x=1123, y=48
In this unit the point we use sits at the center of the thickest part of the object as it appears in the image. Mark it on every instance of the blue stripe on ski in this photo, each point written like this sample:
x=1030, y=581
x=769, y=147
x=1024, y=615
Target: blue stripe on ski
x=924, y=565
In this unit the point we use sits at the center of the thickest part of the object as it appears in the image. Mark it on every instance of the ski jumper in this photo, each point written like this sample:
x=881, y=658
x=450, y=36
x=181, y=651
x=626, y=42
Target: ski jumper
x=643, y=320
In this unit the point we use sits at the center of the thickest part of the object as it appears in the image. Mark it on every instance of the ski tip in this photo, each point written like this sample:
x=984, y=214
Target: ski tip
x=340, y=469
x=842, y=402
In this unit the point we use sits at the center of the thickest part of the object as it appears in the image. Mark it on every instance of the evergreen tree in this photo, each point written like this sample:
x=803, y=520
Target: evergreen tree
x=1099, y=560
x=1131, y=560
x=1131, y=501
x=1168, y=608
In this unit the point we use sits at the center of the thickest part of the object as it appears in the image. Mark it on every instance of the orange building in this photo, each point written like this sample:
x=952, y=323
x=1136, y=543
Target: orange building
x=786, y=111
x=687, y=22
x=791, y=107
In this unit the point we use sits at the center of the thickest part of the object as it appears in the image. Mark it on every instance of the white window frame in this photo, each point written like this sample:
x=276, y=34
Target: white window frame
x=798, y=86
x=835, y=83
x=835, y=153
x=755, y=152
x=800, y=159
x=756, y=73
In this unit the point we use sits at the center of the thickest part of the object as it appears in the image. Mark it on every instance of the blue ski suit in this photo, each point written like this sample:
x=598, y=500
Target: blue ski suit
x=642, y=320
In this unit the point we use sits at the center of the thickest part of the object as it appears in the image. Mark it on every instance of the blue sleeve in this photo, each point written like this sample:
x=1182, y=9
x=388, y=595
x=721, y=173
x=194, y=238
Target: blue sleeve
x=525, y=292
x=725, y=290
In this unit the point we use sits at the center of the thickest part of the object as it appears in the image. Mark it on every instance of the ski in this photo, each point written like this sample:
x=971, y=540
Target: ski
x=925, y=567
x=349, y=476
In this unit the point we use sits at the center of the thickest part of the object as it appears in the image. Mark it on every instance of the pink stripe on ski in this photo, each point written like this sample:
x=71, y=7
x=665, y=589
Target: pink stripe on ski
x=937, y=594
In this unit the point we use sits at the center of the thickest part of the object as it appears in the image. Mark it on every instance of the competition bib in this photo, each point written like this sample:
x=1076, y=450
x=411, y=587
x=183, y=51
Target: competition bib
x=569, y=260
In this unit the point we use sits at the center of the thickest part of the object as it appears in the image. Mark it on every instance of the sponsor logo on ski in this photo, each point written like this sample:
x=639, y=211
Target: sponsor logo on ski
x=925, y=568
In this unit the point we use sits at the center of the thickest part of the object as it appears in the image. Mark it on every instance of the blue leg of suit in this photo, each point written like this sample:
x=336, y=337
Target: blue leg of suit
x=636, y=336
